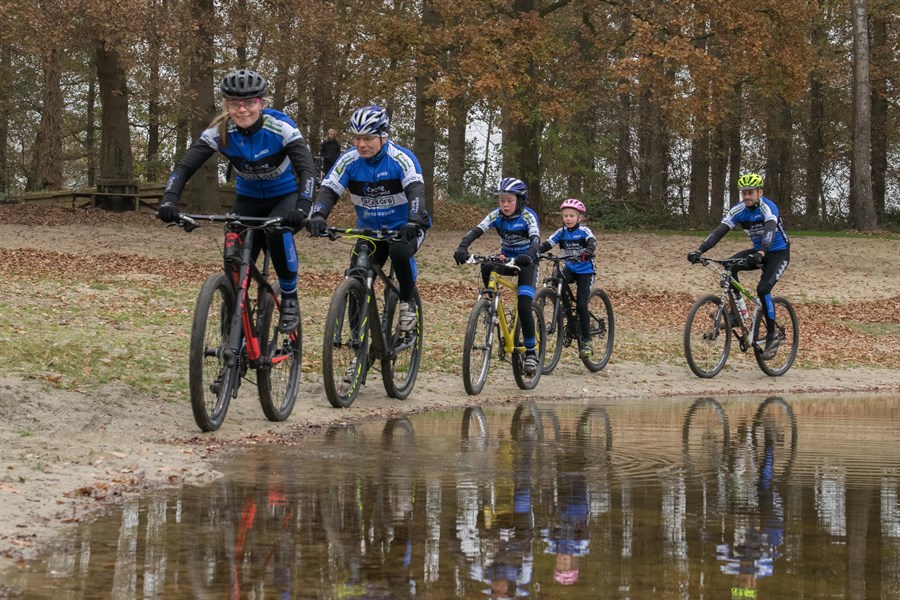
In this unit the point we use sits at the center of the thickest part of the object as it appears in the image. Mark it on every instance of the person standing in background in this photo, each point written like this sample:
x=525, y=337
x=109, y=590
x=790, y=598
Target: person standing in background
x=329, y=151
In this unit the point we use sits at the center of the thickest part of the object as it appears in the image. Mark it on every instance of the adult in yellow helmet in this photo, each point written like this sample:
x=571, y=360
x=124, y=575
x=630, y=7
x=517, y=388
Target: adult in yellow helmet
x=771, y=249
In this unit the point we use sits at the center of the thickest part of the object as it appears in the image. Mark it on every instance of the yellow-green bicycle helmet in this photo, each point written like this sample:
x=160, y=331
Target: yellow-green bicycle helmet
x=749, y=181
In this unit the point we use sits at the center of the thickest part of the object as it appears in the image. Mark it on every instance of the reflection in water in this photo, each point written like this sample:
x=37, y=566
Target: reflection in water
x=710, y=500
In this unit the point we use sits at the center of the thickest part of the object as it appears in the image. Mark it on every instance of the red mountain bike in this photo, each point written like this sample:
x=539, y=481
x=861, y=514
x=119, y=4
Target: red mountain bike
x=235, y=329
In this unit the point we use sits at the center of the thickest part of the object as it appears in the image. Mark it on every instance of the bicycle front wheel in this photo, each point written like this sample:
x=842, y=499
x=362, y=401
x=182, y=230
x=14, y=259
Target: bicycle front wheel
x=523, y=380
x=477, y=347
x=400, y=365
x=345, y=344
x=548, y=301
x=602, y=329
x=786, y=332
x=212, y=379
x=707, y=337
x=278, y=375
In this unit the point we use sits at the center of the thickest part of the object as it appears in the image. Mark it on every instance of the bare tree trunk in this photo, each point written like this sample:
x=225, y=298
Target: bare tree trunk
x=699, y=186
x=733, y=138
x=203, y=188
x=645, y=141
x=815, y=143
x=623, y=145
x=659, y=163
x=862, y=208
x=46, y=171
x=153, y=167
x=116, y=161
x=456, y=147
x=239, y=23
x=718, y=169
x=486, y=162
x=779, y=180
x=521, y=157
x=5, y=73
x=423, y=146
x=882, y=59
x=90, y=130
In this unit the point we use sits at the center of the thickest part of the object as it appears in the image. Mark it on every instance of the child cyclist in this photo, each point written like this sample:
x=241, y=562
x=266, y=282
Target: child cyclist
x=577, y=242
x=520, y=236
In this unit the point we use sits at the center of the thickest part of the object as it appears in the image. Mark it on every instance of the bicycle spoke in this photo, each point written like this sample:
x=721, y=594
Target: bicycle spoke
x=707, y=337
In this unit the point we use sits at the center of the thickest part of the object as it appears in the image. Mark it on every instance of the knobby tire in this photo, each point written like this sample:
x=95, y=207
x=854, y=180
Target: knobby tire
x=345, y=341
x=211, y=380
x=707, y=337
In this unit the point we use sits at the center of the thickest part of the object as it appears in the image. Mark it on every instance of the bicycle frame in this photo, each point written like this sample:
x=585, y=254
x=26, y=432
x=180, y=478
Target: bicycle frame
x=566, y=301
x=506, y=327
x=243, y=332
x=241, y=325
x=367, y=272
x=727, y=282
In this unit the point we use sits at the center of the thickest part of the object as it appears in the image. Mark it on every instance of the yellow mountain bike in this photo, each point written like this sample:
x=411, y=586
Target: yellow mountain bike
x=489, y=319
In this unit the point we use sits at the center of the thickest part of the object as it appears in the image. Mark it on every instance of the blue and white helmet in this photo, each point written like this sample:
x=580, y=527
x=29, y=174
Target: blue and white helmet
x=369, y=120
x=511, y=185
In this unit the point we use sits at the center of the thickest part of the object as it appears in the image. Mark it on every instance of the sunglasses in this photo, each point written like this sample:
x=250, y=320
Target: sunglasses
x=235, y=104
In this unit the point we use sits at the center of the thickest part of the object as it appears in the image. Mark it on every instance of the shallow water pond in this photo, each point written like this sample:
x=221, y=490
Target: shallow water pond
x=695, y=498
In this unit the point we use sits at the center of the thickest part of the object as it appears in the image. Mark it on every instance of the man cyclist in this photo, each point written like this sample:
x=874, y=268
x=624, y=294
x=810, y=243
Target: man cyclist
x=771, y=249
x=269, y=154
x=387, y=190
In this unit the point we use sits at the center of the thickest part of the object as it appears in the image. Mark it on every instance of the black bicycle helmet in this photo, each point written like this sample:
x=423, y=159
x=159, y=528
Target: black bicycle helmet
x=243, y=84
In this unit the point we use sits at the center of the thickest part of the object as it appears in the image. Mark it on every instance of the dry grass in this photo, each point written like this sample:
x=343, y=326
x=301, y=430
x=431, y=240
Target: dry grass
x=92, y=297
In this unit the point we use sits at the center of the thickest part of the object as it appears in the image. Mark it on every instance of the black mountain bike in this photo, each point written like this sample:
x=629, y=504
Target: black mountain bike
x=351, y=344
x=557, y=301
x=236, y=329
x=715, y=318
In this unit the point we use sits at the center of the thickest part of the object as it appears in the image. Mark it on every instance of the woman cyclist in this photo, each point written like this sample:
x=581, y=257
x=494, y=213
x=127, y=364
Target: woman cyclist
x=269, y=155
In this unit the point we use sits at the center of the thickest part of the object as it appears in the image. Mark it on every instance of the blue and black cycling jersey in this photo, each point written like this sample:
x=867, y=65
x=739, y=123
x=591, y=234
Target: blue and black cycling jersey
x=574, y=243
x=519, y=233
x=762, y=223
x=268, y=158
x=387, y=190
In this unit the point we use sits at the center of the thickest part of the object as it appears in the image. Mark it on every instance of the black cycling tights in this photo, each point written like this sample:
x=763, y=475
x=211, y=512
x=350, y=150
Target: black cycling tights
x=773, y=267
x=527, y=280
x=401, y=254
x=582, y=296
x=279, y=242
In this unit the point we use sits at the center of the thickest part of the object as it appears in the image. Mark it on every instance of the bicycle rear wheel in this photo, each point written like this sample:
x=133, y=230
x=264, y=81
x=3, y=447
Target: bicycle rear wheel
x=278, y=376
x=345, y=345
x=548, y=301
x=477, y=347
x=775, y=438
x=400, y=366
x=602, y=330
x=524, y=381
x=707, y=337
x=786, y=330
x=212, y=380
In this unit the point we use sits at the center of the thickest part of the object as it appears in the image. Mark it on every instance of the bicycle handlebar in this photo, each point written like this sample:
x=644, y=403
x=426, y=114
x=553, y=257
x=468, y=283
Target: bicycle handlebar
x=725, y=262
x=477, y=259
x=383, y=234
x=188, y=221
x=558, y=259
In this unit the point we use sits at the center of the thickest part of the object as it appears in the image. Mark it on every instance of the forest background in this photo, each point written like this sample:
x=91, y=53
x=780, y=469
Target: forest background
x=647, y=110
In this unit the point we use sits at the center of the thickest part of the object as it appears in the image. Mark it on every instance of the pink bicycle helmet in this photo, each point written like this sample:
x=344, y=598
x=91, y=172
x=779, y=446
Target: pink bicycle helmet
x=573, y=203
